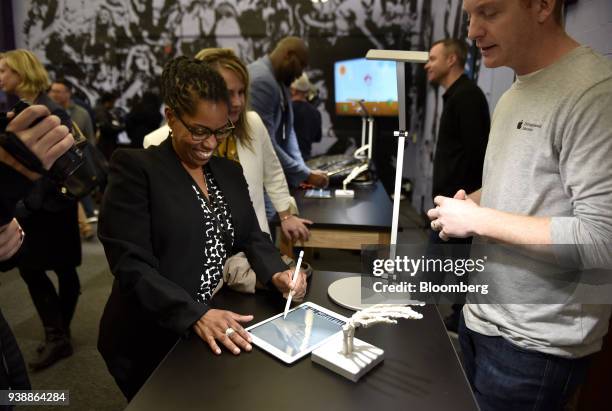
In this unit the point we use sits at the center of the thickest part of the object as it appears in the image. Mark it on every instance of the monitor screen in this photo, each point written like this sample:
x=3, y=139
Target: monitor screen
x=373, y=81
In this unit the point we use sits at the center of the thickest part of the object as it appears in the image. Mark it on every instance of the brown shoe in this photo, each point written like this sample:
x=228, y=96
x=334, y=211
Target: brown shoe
x=55, y=348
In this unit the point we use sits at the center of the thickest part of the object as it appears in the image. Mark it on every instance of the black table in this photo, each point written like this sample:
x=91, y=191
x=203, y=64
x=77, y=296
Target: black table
x=345, y=223
x=420, y=371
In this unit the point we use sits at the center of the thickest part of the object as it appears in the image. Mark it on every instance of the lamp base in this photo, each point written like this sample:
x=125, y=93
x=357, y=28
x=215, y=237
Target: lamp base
x=352, y=366
x=344, y=193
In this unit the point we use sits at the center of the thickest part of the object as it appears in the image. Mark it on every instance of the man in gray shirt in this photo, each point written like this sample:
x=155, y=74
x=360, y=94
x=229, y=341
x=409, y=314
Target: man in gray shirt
x=61, y=93
x=547, y=179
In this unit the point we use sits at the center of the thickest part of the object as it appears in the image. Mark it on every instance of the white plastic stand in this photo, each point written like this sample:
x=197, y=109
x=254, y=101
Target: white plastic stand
x=363, y=153
x=343, y=193
x=352, y=366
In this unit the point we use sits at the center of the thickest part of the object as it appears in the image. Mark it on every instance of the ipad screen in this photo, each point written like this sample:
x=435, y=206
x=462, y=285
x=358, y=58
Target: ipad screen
x=303, y=328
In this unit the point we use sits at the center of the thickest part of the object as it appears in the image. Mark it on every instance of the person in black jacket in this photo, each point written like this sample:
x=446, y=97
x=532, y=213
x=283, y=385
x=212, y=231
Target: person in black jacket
x=462, y=137
x=171, y=216
x=50, y=220
x=47, y=141
x=306, y=118
x=109, y=124
x=143, y=118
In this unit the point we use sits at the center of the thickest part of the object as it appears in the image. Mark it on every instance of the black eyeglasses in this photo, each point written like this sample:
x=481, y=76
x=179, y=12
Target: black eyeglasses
x=201, y=133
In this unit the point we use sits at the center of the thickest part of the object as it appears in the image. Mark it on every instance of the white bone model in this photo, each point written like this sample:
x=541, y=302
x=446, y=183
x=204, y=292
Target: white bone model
x=377, y=314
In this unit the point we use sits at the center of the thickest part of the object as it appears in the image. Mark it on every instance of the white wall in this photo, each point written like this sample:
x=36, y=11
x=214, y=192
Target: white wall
x=590, y=23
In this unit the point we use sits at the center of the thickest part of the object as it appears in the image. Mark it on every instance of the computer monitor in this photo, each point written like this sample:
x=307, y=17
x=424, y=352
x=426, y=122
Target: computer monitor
x=372, y=81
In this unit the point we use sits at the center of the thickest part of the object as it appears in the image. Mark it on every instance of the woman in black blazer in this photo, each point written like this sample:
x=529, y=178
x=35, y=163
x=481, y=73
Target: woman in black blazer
x=171, y=216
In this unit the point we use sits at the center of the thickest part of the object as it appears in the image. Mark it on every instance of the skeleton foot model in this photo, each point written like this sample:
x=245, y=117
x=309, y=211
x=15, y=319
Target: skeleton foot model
x=351, y=357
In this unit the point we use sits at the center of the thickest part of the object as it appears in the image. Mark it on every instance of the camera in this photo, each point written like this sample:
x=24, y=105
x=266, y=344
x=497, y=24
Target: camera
x=67, y=171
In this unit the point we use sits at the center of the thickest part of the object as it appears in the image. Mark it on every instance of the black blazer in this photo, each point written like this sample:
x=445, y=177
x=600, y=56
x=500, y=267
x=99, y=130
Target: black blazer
x=151, y=228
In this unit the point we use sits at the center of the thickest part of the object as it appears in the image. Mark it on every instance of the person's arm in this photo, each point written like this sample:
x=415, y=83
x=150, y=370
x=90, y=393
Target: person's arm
x=125, y=231
x=586, y=174
x=273, y=177
x=297, y=171
x=47, y=141
x=11, y=238
x=585, y=149
x=275, y=184
x=264, y=100
x=462, y=218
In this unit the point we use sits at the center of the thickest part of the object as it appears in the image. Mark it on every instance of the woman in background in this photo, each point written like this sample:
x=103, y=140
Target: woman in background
x=250, y=145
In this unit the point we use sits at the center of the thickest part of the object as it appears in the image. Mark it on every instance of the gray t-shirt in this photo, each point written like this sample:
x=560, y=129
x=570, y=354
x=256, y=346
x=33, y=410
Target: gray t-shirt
x=550, y=154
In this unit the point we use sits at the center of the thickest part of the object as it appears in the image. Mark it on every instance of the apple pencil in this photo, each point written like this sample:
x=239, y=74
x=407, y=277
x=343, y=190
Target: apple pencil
x=295, y=276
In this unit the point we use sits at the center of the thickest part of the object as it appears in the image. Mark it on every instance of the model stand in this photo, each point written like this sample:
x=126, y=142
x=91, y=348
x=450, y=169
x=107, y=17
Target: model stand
x=351, y=357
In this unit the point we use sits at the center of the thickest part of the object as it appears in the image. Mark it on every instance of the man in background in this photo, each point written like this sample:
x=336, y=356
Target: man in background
x=61, y=93
x=307, y=119
x=462, y=137
x=271, y=76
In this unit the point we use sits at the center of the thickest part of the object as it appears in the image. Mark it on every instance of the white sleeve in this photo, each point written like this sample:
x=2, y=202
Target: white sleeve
x=273, y=176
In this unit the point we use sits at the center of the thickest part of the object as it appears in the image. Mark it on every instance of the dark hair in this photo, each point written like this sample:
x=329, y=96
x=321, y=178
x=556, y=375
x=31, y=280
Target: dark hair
x=456, y=47
x=186, y=80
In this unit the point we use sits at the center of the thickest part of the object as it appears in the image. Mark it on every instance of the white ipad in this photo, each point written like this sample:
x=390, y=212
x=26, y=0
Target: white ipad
x=306, y=327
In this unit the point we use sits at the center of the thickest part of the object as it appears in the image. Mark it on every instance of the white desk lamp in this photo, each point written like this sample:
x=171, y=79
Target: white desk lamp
x=363, y=153
x=347, y=291
x=346, y=355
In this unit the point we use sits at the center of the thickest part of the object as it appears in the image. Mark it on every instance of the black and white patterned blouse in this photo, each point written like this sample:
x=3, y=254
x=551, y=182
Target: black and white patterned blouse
x=219, y=232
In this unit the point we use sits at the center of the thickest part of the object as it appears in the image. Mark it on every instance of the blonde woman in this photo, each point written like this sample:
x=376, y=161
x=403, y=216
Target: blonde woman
x=50, y=220
x=250, y=145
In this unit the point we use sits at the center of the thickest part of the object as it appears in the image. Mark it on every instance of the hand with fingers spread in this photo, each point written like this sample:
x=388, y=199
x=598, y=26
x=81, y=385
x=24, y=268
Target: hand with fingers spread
x=282, y=281
x=454, y=217
x=295, y=228
x=224, y=326
x=11, y=238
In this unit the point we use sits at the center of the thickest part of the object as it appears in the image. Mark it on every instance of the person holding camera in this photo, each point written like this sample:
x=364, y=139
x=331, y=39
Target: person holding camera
x=50, y=220
x=46, y=142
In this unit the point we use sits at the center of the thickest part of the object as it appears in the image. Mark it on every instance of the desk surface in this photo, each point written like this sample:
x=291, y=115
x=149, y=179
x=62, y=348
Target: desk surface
x=421, y=370
x=371, y=208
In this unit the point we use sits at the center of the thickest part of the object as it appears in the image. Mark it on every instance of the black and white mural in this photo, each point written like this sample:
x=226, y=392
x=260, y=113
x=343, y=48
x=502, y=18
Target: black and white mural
x=122, y=45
